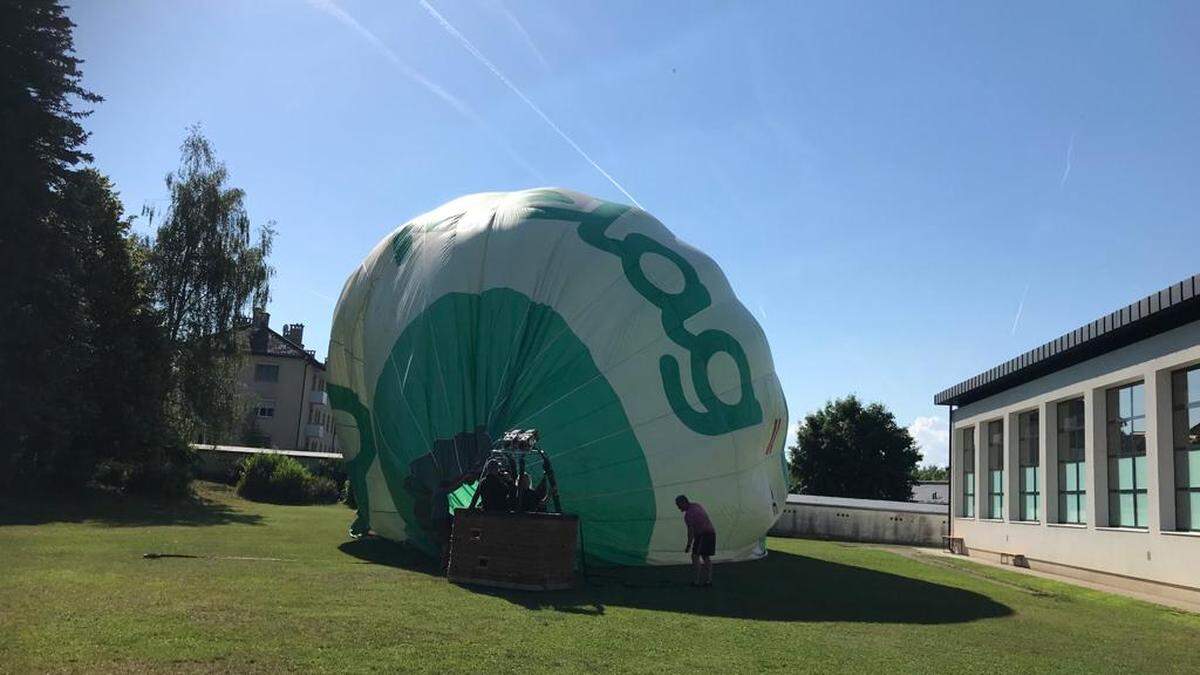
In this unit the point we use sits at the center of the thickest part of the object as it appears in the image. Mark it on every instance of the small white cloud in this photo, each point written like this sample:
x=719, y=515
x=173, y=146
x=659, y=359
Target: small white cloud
x=932, y=435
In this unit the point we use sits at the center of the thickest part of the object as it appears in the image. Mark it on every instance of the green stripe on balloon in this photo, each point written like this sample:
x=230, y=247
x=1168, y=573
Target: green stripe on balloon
x=473, y=366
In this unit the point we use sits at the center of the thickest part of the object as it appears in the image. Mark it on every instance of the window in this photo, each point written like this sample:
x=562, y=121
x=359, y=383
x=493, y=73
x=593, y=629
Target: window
x=995, y=451
x=1028, y=460
x=968, y=485
x=266, y=409
x=1072, y=487
x=1128, y=503
x=266, y=373
x=1185, y=406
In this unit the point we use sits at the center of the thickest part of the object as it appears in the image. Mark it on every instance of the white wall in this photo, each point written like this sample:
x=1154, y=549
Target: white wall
x=1157, y=553
x=850, y=524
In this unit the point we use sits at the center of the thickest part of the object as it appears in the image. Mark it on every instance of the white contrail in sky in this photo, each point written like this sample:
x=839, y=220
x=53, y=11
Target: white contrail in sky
x=322, y=296
x=533, y=106
x=520, y=28
x=1020, y=307
x=333, y=9
x=1067, y=170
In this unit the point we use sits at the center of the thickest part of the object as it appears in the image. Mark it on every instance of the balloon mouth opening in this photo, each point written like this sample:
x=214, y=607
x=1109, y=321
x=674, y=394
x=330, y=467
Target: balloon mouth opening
x=461, y=497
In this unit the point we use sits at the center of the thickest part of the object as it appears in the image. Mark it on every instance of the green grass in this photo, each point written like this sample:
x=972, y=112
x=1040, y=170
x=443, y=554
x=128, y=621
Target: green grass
x=76, y=594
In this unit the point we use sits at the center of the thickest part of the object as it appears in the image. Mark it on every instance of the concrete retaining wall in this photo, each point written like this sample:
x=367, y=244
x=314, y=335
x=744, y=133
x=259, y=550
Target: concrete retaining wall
x=217, y=462
x=849, y=523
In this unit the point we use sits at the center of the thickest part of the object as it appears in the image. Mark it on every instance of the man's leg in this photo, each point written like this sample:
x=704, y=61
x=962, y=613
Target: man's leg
x=707, y=570
x=696, y=569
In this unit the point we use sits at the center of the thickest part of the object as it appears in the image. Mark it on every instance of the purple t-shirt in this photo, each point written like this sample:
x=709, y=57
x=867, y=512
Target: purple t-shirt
x=696, y=519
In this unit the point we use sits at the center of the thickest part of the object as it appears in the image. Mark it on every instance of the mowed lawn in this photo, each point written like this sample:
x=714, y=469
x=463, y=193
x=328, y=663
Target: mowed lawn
x=281, y=588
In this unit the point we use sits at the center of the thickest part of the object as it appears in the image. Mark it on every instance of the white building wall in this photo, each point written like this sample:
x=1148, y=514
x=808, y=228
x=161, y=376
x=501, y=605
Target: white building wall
x=845, y=523
x=1157, y=553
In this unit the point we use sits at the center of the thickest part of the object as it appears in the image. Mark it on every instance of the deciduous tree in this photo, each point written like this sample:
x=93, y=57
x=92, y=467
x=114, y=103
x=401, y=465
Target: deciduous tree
x=208, y=269
x=848, y=449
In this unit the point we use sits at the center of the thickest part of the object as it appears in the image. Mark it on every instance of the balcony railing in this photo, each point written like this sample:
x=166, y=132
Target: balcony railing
x=314, y=430
x=318, y=397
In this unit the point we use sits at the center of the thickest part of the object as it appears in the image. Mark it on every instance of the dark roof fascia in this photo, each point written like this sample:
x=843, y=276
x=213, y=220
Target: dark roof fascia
x=1172, y=307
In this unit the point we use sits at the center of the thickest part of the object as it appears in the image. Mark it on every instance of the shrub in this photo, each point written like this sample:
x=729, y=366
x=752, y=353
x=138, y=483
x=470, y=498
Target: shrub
x=271, y=477
x=333, y=469
x=164, y=474
x=323, y=490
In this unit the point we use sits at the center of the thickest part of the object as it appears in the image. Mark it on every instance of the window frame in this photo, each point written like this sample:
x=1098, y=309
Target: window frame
x=1119, y=451
x=1069, y=460
x=260, y=368
x=1185, y=446
x=995, y=455
x=1029, y=457
x=968, y=486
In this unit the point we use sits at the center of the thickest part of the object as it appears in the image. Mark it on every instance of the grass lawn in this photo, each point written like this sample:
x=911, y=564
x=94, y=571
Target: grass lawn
x=281, y=588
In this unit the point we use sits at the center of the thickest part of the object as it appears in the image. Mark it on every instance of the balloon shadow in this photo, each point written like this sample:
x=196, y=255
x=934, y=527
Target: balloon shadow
x=781, y=587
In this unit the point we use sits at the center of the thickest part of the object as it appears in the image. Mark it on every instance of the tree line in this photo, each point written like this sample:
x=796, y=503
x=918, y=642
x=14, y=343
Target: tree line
x=116, y=350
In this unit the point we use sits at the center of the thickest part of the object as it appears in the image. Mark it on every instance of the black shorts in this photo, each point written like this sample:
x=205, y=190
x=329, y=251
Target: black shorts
x=705, y=544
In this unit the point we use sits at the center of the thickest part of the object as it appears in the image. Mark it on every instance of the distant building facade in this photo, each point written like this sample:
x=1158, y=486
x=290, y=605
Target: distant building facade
x=1083, y=455
x=287, y=385
x=931, y=492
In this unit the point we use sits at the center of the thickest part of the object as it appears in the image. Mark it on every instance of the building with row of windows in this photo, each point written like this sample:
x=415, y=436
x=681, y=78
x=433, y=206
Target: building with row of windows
x=287, y=384
x=1083, y=455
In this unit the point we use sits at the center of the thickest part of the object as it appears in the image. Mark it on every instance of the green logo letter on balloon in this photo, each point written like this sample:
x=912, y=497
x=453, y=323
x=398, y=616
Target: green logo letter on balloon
x=717, y=417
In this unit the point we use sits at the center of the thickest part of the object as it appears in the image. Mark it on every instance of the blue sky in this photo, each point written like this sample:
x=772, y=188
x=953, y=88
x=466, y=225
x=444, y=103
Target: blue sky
x=905, y=194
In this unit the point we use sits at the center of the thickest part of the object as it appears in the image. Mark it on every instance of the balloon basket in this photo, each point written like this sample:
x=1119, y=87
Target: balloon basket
x=524, y=551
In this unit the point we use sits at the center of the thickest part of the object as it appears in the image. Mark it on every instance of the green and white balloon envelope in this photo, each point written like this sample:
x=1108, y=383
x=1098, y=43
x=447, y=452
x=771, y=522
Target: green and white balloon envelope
x=587, y=320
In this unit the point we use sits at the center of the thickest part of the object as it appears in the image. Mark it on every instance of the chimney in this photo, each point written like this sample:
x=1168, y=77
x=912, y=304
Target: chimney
x=261, y=317
x=294, y=332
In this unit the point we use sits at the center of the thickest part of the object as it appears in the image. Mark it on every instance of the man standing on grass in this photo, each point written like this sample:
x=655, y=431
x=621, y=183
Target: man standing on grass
x=701, y=539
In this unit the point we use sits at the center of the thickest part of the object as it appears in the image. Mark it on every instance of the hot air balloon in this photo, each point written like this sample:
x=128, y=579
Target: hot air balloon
x=587, y=320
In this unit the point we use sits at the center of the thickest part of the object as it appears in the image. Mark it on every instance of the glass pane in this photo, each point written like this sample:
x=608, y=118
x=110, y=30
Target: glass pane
x=1126, y=510
x=1193, y=463
x=1193, y=384
x=1029, y=508
x=1193, y=431
x=997, y=482
x=1124, y=477
x=1183, y=512
x=1179, y=388
x=1064, y=512
x=997, y=507
x=1180, y=427
x=1194, y=506
x=1068, y=480
x=1139, y=472
x=1138, y=442
x=1082, y=508
x=1138, y=398
x=1143, y=509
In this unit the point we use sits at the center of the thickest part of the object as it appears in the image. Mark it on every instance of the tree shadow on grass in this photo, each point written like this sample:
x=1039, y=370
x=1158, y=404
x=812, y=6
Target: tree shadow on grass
x=116, y=510
x=781, y=587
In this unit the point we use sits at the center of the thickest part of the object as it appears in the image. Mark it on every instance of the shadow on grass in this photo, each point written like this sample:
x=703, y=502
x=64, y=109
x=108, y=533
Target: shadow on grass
x=117, y=510
x=781, y=587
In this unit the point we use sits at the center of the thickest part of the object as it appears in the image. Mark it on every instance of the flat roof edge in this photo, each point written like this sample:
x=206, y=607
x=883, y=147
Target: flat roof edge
x=1174, y=306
